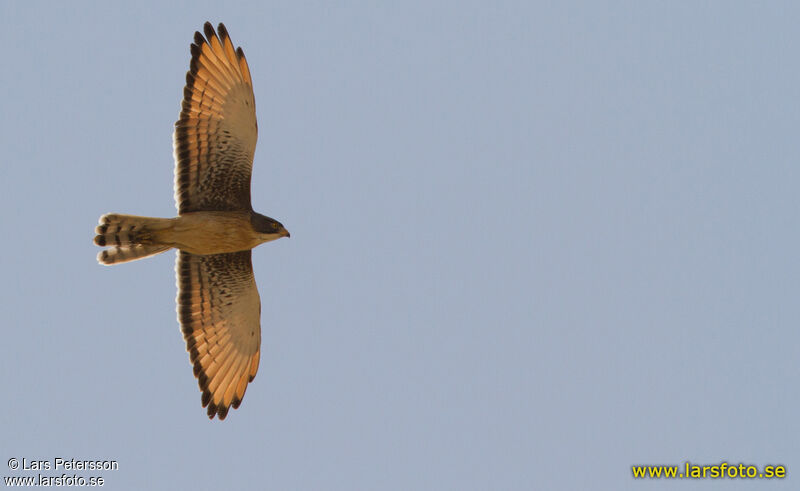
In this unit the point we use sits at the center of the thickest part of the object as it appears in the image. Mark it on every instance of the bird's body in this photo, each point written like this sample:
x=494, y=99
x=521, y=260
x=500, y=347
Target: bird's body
x=198, y=232
x=222, y=231
x=216, y=228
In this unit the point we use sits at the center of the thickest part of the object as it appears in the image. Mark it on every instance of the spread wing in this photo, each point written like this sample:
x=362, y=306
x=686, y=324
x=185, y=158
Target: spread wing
x=215, y=137
x=219, y=310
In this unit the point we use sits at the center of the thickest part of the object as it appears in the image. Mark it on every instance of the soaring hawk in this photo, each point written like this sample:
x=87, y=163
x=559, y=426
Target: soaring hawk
x=218, y=304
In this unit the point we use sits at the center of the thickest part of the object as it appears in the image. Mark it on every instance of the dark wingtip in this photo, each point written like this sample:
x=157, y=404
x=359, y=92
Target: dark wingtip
x=209, y=30
x=195, y=49
x=187, y=91
x=223, y=33
x=218, y=411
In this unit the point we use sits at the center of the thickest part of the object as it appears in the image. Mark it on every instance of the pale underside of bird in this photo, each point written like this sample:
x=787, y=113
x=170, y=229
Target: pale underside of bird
x=218, y=305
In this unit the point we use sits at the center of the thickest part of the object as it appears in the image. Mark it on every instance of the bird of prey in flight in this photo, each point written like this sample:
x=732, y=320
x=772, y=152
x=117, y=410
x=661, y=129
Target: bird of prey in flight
x=218, y=305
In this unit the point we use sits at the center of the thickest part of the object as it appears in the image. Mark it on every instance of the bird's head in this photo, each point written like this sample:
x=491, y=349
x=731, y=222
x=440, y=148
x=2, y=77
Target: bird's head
x=268, y=228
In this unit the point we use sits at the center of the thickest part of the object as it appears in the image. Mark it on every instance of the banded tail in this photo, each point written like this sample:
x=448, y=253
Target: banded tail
x=129, y=237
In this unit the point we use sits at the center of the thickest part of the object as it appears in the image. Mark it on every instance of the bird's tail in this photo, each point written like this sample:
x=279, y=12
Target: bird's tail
x=129, y=237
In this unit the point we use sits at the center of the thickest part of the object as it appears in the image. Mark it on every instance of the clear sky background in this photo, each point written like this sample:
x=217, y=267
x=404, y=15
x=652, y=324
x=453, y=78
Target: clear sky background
x=532, y=243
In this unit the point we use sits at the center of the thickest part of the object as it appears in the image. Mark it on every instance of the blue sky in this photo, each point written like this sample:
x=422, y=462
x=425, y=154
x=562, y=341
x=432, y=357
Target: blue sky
x=532, y=243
